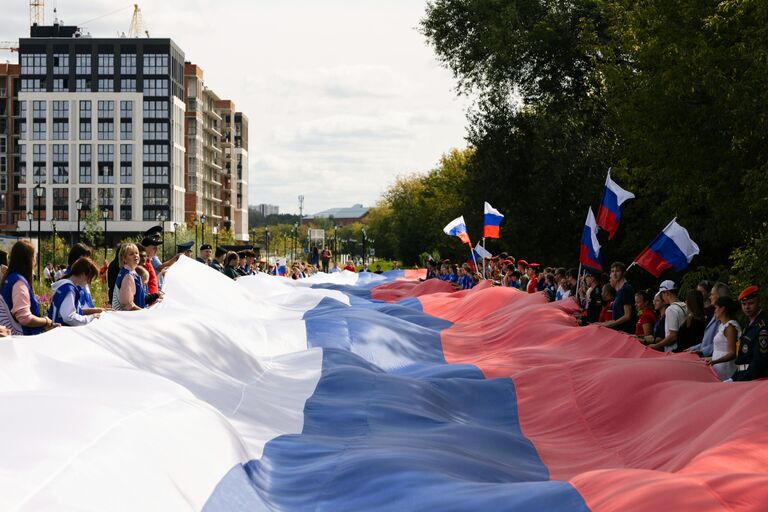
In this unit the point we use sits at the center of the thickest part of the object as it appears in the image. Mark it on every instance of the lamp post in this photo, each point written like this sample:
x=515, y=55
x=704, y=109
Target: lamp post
x=53, y=228
x=215, y=231
x=105, y=216
x=365, y=255
x=29, y=230
x=203, y=218
x=335, y=244
x=197, y=222
x=266, y=242
x=161, y=219
x=295, y=239
x=79, y=207
x=39, y=191
x=175, y=227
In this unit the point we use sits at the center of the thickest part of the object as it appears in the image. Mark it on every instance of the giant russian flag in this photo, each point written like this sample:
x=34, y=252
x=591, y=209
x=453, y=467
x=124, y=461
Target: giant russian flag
x=491, y=221
x=589, y=254
x=672, y=248
x=363, y=392
x=609, y=214
x=457, y=227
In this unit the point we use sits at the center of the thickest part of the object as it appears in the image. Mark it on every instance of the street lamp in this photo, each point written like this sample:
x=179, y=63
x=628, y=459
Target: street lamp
x=215, y=231
x=29, y=230
x=175, y=227
x=79, y=207
x=365, y=256
x=161, y=219
x=39, y=191
x=266, y=242
x=203, y=218
x=197, y=222
x=295, y=239
x=335, y=244
x=105, y=216
x=53, y=227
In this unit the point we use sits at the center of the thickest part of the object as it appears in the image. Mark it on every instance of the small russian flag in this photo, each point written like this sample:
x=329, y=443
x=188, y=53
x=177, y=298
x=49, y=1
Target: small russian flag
x=609, y=214
x=590, y=248
x=492, y=220
x=457, y=227
x=673, y=248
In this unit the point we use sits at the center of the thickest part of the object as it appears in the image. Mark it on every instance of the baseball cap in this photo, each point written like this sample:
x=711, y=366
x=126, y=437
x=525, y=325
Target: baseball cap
x=667, y=286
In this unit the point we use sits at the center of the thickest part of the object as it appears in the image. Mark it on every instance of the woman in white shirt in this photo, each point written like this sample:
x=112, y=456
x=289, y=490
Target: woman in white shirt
x=723, y=358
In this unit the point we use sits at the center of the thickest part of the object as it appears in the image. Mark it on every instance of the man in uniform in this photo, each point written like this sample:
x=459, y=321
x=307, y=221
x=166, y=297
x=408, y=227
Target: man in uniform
x=185, y=249
x=206, y=252
x=752, y=347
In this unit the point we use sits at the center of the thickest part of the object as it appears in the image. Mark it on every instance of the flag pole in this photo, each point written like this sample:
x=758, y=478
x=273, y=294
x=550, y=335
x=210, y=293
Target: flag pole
x=484, y=258
x=472, y=252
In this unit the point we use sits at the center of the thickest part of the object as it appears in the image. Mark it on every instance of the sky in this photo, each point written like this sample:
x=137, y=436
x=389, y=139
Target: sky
x=342, y=96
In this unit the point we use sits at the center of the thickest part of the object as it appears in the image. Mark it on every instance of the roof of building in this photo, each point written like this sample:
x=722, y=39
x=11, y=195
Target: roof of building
x=356, y=211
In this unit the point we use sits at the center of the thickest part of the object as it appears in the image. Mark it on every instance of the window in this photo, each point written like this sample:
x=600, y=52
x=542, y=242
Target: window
x=85, y=163
x=126, y=163
x=61, y=64
x=107, y=201
x=106, y=163
x=155, y=153
x=22, y=109
x=61, y=109
x=154, y=197
x=33, y=85
x=61, y=203
x=60, y=130
x=23, y=129
x=126, y=109
x=155, y=64
x=86, y=197
x=33, y=64
x=106, y=109
x=126, y=203
x=106, y=65
x=155, y=109
x=126, y=130
x=128, y=64
x=3, y=144
x=21, y=168
x=83, y=65
x=106, y=85
x=128, y=85
x=155, y=87
x=38, y=130
x=85, y=129
x=155, y=175
x=83, y=85
x=38, y=163
x=60, y=163
x=85, y=109
x=3, y=164
x=60, y=84
x=155, y=131
x=38, y=110
x=107, y=130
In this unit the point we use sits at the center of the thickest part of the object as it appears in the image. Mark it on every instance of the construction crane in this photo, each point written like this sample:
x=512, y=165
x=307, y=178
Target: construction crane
x=36, y=12
x=9, y=46
x=137, y=24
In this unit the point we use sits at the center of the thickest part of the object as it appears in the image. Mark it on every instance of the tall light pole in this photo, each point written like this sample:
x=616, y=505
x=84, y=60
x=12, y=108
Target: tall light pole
x=196, y=224
x=295, y=239
x=79, y=208
x=161, y=219
x=203, y=218
x=53, y=228
x=105, y=216
x=266, y=241
x=39, y=191
x=29, y=218
x=365, y=256
x=335, y=243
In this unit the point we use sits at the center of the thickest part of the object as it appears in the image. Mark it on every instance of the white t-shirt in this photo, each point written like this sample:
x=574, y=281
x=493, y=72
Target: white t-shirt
x=673, y=320
x=46, y=273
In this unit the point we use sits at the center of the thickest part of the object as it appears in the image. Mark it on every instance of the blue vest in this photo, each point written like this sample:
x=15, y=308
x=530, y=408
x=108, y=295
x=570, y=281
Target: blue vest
x=66, y=289
x=139, y=295
x=34, y=306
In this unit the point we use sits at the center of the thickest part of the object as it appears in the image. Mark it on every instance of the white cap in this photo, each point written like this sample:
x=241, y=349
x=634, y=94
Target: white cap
x=667, y=286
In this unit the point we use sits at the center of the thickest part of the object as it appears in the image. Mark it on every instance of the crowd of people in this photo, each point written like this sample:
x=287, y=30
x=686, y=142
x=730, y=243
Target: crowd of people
x=704, y=322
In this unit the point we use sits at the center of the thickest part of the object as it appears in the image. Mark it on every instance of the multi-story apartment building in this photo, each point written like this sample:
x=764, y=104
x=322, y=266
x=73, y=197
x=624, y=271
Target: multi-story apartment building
x=101, y=120
x=9, y=196
x=217, y=150
x=267, y=209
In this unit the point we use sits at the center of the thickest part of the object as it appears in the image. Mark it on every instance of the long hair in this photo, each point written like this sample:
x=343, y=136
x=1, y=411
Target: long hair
x=21, y=261
x=695, y=302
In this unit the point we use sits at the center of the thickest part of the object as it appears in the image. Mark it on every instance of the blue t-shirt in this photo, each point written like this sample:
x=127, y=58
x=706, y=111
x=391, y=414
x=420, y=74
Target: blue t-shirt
x=624, y=297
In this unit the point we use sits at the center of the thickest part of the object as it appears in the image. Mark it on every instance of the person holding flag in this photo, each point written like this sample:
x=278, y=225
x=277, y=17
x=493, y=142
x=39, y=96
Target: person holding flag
x=589, y=255
x=609, y=214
